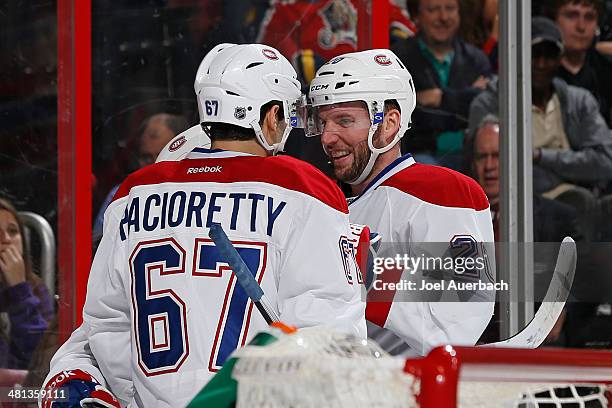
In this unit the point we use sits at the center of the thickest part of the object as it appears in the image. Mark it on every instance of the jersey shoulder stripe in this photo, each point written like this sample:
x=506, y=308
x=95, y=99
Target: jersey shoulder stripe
x=283, y=171
x=440, y=186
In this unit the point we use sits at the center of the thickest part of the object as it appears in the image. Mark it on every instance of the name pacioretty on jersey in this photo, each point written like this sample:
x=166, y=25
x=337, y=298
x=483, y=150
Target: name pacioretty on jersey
x=198, y=209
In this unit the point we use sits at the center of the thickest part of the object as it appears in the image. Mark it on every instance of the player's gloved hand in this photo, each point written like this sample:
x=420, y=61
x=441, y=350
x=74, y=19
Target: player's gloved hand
x=367, y=245
x=77, y=389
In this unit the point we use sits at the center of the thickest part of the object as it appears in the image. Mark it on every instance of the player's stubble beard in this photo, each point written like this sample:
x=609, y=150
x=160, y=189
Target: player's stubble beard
x=361, y=156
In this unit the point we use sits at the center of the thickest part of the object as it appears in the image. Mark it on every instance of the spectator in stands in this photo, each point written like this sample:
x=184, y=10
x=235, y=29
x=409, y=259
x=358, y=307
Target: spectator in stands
x=480, y=27
x=25, y=304
x=552, y=220
x=482, y=157
x=581, y=64
x=587, y=320
x=448, y=73
x=156, y=131
x=572, y=143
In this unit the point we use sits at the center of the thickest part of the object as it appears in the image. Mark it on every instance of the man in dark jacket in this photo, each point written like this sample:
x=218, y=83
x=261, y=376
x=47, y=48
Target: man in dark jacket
x=581, y=64
x=572, y=143
x=448, y=73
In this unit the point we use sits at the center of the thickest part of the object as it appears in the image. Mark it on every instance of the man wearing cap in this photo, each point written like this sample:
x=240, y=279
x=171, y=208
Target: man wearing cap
x=572, y=144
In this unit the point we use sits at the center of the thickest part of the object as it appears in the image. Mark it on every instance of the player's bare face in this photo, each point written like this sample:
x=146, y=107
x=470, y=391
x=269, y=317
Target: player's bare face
x=345, y=138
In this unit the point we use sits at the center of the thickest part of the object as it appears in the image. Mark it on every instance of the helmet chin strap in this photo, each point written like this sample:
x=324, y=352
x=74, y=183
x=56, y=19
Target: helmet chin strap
x=261, y=138
x=375, y=152
x=280, y=146
x=373, y=156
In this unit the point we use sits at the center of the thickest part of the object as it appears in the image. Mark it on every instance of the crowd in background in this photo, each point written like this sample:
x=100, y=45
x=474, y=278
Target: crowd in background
x=144, y=59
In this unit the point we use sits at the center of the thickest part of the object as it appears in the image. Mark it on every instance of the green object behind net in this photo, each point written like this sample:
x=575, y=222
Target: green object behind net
x=221, y=390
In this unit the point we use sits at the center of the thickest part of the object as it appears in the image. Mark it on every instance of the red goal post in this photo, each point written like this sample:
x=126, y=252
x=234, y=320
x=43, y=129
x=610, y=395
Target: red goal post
x=446, y=368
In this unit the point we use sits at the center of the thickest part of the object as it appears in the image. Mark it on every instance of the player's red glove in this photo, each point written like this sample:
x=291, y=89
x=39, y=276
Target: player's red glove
x=366, y=245
x=77, y=389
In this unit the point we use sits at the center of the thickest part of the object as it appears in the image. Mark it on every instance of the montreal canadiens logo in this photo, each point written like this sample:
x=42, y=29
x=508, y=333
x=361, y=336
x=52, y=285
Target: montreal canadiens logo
x=177, y=144
x=382, y=59
x=269, y=54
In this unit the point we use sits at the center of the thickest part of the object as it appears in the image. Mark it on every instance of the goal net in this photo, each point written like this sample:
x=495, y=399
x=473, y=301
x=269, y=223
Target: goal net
x=320, y=368
x=513, y=378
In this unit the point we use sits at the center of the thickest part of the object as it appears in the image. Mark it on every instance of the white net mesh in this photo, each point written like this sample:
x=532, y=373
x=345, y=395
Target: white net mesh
x=319, y=368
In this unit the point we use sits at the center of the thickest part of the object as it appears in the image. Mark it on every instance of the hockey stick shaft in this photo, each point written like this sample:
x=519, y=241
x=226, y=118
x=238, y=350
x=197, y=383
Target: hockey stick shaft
x=553, y=303
x=243, y=275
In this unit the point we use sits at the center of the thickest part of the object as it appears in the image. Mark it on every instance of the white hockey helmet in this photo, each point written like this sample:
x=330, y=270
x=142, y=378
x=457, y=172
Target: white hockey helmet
x=371, y=76
x=234, y=81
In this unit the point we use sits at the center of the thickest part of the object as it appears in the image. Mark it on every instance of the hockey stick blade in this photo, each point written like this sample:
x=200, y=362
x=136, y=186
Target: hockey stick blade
x=542, y=323
x=243, y=275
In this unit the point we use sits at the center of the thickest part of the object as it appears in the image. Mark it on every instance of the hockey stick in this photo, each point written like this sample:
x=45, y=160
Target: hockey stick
x=542, y=323
x=534, y=334
x=243, y=275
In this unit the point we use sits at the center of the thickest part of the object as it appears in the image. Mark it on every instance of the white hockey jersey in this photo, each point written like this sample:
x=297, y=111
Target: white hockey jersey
x=163, y=310
x=414, y=206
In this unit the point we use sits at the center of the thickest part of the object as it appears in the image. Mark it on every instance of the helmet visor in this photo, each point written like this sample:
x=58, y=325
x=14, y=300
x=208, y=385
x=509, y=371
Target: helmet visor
x=337, y=118
x=297, y=112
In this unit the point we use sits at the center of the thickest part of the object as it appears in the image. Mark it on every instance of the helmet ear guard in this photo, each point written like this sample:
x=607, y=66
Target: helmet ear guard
x=372, y=76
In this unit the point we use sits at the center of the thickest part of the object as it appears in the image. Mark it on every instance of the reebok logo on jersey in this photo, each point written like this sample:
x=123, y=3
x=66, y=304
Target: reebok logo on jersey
x=61, y=378
x=68, y=375
x=205, y=169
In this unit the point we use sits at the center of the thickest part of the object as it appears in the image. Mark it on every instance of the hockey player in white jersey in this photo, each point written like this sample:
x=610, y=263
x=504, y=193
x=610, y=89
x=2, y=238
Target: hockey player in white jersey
x=361, y=104
x=163, y=311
